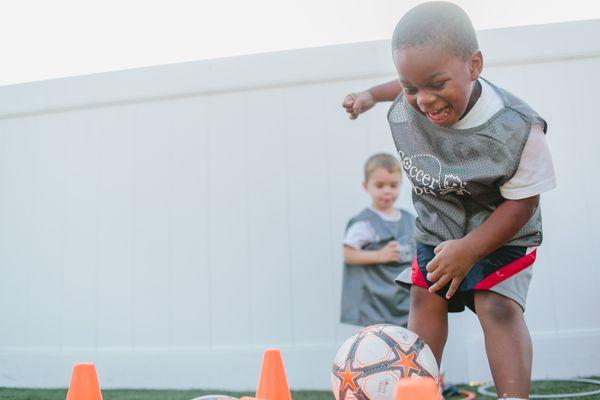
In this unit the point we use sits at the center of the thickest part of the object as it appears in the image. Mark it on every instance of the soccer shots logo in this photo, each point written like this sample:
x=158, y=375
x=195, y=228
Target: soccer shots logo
x=425, y=173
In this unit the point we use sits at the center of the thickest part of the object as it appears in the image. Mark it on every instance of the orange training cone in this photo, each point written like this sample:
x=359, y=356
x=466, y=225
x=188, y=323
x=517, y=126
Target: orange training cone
x=84, y=383
x=272, y=384
x=417, y=388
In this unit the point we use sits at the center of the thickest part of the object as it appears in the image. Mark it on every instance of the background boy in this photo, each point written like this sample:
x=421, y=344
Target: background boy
x=378, y=245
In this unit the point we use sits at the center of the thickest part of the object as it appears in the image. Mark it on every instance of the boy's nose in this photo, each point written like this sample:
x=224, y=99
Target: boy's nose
x=425, y=101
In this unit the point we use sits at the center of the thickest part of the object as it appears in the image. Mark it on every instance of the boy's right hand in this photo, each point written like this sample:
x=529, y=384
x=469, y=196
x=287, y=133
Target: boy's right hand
x=358, y=103
x=389, y=253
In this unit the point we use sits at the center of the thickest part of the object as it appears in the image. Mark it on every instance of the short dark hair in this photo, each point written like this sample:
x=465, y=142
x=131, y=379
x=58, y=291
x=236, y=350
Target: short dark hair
x=438, y=22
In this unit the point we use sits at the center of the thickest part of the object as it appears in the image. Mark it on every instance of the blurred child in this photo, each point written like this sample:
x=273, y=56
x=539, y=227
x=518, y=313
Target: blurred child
x=378, y=246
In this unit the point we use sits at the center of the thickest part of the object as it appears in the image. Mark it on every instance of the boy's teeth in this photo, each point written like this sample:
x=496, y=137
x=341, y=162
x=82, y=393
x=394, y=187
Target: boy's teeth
x=440, y=114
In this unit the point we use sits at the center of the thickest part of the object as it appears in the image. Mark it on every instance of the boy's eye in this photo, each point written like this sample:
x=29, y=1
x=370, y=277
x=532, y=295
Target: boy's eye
x=438, y=85
x=410, y=90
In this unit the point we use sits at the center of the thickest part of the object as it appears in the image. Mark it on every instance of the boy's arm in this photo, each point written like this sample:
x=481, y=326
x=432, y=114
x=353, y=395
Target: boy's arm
x=386, y=92
x=454, y=258
x=389, y=253
x=361, y=257
x=358, y=103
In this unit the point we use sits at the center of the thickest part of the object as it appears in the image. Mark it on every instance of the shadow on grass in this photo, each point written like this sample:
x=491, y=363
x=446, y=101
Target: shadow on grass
x=540, y=387
x=136, y=394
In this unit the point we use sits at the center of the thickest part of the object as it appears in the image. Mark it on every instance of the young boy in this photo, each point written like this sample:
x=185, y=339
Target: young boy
x=379, y=244
x=478, y=161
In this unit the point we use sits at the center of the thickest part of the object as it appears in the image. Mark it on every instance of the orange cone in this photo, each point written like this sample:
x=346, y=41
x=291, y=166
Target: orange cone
x=417, y=389
x=272, y=384
x=84, y=383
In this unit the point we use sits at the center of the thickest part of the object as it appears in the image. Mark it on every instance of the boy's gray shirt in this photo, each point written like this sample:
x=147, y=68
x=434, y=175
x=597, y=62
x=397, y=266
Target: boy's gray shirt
x=369, y=294
x=456, y=173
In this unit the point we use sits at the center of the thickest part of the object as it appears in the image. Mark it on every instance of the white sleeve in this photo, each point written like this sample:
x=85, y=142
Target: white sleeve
x=535, y=174
x=359, y=234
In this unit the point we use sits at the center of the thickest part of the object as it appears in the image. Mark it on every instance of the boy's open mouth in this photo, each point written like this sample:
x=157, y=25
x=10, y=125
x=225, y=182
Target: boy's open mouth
x=439, y=116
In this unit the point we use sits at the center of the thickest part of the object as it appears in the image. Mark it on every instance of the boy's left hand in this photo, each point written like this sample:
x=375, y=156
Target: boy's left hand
x=453, y=260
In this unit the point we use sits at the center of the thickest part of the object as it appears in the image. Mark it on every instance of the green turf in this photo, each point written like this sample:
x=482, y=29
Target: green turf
x=552, y=387
x=549, y=387
x=60, y=394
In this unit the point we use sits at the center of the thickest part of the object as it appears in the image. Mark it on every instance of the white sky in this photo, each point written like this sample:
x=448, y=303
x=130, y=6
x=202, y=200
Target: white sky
x=49, y=39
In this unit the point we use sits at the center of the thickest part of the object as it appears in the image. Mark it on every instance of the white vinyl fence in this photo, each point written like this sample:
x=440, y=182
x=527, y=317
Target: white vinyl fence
x=170, y=223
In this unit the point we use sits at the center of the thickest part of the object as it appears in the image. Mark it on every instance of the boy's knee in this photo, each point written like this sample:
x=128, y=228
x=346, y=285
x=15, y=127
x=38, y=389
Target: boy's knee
x=418, y=296
x=492, y=307
x=423, y=299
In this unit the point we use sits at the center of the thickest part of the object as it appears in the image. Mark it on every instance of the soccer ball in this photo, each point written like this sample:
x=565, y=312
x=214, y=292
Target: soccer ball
x=369, y=365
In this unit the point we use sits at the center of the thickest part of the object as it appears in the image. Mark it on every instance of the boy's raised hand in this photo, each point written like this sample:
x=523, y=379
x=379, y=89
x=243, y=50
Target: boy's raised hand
x=389, y=253
x=453, y=260
x=358, y=103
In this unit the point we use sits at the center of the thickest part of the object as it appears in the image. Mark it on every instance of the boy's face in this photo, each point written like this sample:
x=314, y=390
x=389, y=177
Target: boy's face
x=383, y=186
x=436, y=82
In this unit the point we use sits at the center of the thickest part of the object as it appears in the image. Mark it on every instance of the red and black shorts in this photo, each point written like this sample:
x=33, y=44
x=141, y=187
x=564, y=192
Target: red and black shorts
x=506, y=271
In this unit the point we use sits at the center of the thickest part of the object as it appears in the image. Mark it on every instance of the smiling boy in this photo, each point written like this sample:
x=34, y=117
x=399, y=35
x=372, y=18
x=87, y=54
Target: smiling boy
x=478, y=161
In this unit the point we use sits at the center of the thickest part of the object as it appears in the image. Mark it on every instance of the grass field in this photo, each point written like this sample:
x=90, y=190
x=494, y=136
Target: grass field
x=60, y=394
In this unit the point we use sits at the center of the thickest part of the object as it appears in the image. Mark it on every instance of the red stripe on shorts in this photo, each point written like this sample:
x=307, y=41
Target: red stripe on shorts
x=416, y=276
x=507, y=271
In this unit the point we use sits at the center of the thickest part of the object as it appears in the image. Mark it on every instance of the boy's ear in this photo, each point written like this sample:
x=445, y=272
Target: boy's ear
x=476, y=65
x=364, y=185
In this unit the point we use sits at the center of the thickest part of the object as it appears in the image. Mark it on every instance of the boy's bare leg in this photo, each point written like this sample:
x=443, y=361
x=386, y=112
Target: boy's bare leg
x=428, y=318
x=507, y=343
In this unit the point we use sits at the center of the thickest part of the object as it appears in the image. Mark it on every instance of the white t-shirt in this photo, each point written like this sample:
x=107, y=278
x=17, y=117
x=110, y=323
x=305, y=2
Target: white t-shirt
x=535, y=174
x=360, y=233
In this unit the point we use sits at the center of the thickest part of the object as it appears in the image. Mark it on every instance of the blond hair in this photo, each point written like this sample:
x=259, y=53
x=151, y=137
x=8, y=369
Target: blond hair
x=382, y=160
